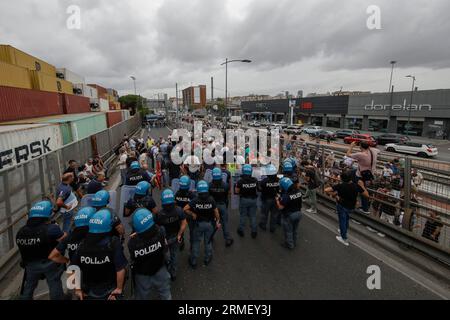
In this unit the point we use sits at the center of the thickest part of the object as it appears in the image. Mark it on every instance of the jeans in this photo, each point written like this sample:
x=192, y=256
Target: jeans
x=174, y=247
x=223, y=211
x=67, y=221
x=344, y=218
x=312, y=195
x=365, y=203
x=159, y=282
x=290, y=223
x=247, y=208
x=123, y=176
x=268, y=207
x=202, y=230
x=52, y=273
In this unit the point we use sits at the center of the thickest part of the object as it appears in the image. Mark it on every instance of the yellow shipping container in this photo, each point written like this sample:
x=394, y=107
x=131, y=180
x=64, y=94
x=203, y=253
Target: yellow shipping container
x=16, y=57
x=43, y=82
x=14, y=76
x=64, y=86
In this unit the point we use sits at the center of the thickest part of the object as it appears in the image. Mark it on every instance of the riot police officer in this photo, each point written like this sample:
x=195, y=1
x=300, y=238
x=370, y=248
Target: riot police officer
x=204, y=212
x=101, y=261
x=35, y=241
x=219, y=191
x=141, y=199
x=182, y=197
x=269, y=187
x=246, y=188
x=148, y=256
x=81, y=221
x=136, y=174
x=289, y=172
x=290, y=204
x=100, y=201
x=173, y=220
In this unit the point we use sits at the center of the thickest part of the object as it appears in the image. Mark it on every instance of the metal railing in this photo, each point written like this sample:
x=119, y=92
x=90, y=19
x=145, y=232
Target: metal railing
x=29, y=182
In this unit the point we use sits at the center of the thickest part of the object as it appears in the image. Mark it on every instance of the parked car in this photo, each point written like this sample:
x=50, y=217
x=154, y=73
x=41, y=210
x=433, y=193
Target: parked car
x=392, y=138
x=325, y=134
x=313, y=130
x=358, y=138
x=255, y=124
x=293, y=129
x=342, y=133
x=415, y=148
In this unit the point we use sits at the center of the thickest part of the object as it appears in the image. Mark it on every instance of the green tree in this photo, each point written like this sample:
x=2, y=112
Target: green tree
x=133, y=102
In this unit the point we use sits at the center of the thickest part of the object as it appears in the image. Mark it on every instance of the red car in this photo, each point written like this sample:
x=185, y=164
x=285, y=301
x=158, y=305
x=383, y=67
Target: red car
x=361, y=137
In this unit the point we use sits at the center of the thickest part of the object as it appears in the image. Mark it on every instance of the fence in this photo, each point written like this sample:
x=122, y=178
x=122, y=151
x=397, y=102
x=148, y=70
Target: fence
x=23, y=185
x=413, y=200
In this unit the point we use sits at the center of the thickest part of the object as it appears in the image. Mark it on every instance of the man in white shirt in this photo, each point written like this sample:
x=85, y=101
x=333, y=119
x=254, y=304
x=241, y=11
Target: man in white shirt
x=123, y=165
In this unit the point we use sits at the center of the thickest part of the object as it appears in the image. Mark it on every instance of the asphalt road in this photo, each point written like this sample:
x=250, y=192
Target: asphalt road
x=319, y=268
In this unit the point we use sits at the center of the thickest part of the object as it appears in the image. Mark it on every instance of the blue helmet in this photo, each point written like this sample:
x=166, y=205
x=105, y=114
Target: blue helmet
x=142, y=188
x=271, y=170
x=83, y=216
x=185, y=183
x=101, y=222
x=100, y=199
x=142, y=220
x=167, y=197
x=288, y=167
x=285, y=184
x=247, y=170
x=202, y=186
x=135, y=165
x=42, y=209
x=217, y=174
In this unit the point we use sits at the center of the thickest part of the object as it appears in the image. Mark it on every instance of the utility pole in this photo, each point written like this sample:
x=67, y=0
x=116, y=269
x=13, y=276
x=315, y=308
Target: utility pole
x=212, y=89
x=410, y=105
x=176, y=102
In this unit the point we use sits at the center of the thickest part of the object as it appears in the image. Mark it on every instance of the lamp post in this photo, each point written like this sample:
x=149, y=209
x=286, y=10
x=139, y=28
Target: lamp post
x=410, y=105
x=391, y=91
x=135, y=92
x=226, y=84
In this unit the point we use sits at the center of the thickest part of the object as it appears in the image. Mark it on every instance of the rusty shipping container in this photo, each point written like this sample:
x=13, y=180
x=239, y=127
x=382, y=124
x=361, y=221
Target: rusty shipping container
x=113, y=118
x=74, y=104
x=18, y=103
x=17, y=57
x=14, y=76
x=102, y=92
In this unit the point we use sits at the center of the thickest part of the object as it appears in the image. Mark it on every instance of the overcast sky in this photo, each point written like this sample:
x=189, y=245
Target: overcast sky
x=309, y=45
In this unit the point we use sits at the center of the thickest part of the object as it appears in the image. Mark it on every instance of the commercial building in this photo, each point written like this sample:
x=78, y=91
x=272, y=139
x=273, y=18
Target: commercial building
x=195, y=97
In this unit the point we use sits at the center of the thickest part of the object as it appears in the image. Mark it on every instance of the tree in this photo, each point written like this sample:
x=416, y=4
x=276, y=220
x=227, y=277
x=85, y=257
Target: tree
x=133, y=102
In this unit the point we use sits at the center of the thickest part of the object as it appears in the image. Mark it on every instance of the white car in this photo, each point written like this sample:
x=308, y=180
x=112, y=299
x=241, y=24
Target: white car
x=255, y=124
x=312, y=130
x=415, y=148
x=293, y=129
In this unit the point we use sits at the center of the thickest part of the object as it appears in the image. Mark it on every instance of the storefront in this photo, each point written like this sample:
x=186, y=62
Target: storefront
x=333, y=121
x=354, y=123
x=378, y=124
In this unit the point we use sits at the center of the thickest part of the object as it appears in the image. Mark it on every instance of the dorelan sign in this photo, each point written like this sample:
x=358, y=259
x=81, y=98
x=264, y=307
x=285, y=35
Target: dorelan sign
x=397, y=107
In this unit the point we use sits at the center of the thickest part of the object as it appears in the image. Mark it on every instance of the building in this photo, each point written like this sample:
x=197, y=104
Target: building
x=195, y=97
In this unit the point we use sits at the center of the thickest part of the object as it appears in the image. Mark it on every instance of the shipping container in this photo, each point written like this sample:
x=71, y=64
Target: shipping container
x=112, y=98
x=125, y=114
x=64, y=86
x=14, y=76
x=81, y=125
x=18, y=103
x=43, y=82
x=21, y=143
x=86, y=91
x=75, y=104
x=16, y=57
x=113, y=92
x=102, y=92
x=113, y=118
x=104, y=105
x=70, y=76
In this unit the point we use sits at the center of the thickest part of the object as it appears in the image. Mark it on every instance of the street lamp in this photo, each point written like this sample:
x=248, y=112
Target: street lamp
x=410, y=105
x=391, y=90
x=393, y=62
x=134, y=83
x=226, y=84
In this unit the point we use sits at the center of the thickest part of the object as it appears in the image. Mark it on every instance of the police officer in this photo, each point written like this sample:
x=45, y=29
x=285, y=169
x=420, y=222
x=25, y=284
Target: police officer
x=289, y=172
x=100, y=201
x=148, y=256
x=136, y=174
x=182, y=197
x=246, y=188
x=35, y=241
x=219, y=191
x=204, y=212
x=81, y=221
x=290, y=204
x=173, y=220
x=269, y=188
x=101, y=261
x=141, y=199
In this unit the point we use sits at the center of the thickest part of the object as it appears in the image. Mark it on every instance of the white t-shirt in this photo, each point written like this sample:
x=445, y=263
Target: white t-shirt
x=123, y=161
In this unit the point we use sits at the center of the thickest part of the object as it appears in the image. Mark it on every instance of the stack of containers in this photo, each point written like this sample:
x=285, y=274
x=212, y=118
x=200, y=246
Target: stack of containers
x=113, y=117
x=102, y=100
x=113, y=98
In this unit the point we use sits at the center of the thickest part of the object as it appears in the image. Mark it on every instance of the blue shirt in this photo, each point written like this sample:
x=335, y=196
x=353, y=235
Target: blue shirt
x=94, y=186
x=64, y=191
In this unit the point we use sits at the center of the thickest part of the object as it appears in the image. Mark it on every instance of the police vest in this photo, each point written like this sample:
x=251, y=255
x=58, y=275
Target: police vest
x=34, y=243
x=203, y=208
x=294, y=203
x=183, y=197
x=170, y=220
x=134, y=177
x=143, y=202
x=147, y=252
x=74, y=239
x=248, y=187
x=269, y=188
x=96, y=264
x=219, y=191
